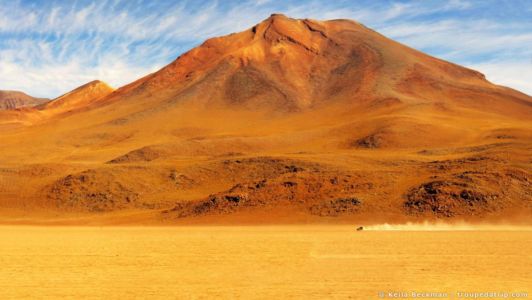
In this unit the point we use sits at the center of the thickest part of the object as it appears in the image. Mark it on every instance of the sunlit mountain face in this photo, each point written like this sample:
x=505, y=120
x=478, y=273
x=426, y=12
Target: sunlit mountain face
x=290, y=120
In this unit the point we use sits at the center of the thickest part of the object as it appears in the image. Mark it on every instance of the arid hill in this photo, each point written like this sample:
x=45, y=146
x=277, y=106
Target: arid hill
x=74, y=101
x=16, y=99
x=79, y=98
x=288, y=121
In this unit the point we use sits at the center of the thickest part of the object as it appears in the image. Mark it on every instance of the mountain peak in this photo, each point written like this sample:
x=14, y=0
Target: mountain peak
x=277, y=15
x=279, y=27
x=95, y=83
x=287, y=64
x=80, y=97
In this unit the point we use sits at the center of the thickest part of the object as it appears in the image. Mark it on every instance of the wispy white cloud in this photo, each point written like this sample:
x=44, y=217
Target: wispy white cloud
x=514, y=74
x=49, y=47
x=465, y=40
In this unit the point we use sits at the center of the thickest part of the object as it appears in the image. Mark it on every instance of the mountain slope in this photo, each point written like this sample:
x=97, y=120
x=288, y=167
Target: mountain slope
x=76, y=100
x=80, y=97
x=290, y=120
x=15, y=99
x=286, y=64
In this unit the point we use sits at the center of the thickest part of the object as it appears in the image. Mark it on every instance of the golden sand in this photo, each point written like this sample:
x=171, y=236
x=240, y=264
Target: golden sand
x=254, y=262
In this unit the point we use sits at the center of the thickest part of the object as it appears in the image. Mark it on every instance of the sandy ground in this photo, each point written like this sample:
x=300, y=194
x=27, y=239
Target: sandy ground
x=261, y=262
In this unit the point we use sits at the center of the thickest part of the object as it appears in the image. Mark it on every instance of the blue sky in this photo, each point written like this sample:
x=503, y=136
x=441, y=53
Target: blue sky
x=49, y=47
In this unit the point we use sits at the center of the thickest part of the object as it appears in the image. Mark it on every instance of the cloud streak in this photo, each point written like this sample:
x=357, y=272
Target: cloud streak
x=50, y=47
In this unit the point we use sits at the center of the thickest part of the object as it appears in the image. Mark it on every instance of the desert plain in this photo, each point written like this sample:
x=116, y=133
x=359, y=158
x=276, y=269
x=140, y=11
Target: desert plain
x=264, y=262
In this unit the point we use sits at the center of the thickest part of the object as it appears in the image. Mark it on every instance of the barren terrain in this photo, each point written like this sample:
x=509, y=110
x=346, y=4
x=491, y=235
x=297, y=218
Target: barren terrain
x=291, y=121
x=257, y=262
x=14, y=99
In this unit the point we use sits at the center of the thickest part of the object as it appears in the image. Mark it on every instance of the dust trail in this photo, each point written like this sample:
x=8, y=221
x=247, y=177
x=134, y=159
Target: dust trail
x=442, y=226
